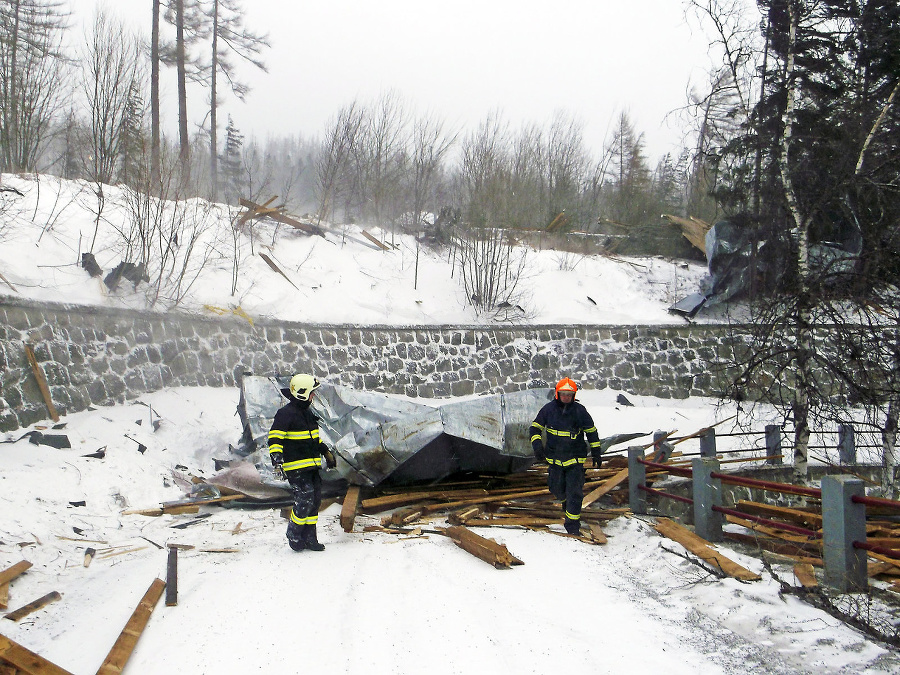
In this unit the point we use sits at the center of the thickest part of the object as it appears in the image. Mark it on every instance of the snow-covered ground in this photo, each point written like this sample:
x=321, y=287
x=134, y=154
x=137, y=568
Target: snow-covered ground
x=371, y=602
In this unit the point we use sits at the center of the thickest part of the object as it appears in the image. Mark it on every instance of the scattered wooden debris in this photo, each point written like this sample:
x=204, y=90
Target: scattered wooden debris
x=806, y=575
x=701, y=548
x=182, y=506
x=350, y=507
x=7, y=576
x=485, y=549
x=25, y=660
x=89, y=554
x=125, y=644
x=42, y=382
x=276, y=268
x=172, y=577
x=33, y=606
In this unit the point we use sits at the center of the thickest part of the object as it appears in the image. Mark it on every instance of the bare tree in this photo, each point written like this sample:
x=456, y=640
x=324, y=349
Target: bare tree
x=32, y=85
x=111, y=71
x=341, y=139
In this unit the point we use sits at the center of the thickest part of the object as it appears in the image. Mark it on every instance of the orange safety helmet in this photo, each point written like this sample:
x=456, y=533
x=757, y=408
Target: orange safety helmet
x=565, y=384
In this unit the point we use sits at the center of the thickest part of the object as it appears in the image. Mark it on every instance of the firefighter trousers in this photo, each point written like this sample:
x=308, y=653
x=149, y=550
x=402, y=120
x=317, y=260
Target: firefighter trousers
x=566, y=483
x=306, y=489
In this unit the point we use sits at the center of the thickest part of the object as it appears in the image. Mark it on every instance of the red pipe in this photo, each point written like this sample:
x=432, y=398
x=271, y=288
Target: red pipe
x=660, y=493
x=875, y=501
x=766, y=485
x=889, y=552
x=772, y=523
x=687, y=473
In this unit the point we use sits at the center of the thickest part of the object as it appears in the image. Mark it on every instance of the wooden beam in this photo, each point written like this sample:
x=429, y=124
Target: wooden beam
x=349, y=508
x=26, y=660
x=275, y=267
x=11, y=573
x=25, y=610
x=485, y=549
x=375, y=241
x=4, y=595
x=806, y=575
x=701, y=548
x=608, y=485
x=42, y=382
x=796, y=516
x=121, y=651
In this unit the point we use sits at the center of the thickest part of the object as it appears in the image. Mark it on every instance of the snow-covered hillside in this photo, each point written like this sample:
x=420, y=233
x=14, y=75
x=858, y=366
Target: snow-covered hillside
x=331, y=279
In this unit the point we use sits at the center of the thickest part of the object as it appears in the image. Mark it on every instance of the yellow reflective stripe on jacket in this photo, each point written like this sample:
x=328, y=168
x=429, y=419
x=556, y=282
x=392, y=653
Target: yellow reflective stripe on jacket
x=299, y=435
x=303, y=463
x=536, y=437
x=309, y=520
x=587, y=431
x=275, y=448
x=598, y=444
x=567, y=462
x=573, y=516
x=565, y=434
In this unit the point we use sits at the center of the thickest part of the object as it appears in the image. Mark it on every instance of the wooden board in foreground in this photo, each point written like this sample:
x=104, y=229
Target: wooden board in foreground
x=611, y=483
x=124, y=646
x=25, y=610
x=700, y=548
x=11, y=573
x=25, y=660
x=485, y=549
x=349, y=508
x=42, y=382
x=806, y=575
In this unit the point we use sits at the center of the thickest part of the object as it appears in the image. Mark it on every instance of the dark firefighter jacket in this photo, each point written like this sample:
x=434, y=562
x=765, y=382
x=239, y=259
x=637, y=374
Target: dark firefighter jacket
x=565, y=427
x=295, y=433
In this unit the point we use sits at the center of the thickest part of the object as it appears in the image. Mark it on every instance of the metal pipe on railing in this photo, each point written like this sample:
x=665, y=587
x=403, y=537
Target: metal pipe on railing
x=665, y=467
x=766, y=485
x=769, y=523
x=876, y=501
x=669, y=495
x=889, y=552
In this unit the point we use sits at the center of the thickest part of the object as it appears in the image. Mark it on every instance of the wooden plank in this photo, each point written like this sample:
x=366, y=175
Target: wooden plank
x=121, y=651
x=172, y=577
x=701, y=548
x=774, y=545
x=375, y=241
x=485, y=549
x=608, y=485
x=7, y=669
x=26, y=660
x=11, y=573
x=33, y=606
x=4, y=595
x=774, y=532
x=42, y=382
x=275, y=267
x=796, y=516
x=349, y=508
x=806, y=575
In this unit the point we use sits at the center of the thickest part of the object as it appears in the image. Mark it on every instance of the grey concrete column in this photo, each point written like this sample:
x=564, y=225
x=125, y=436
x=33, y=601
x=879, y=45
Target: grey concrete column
x=846, y=444
x=637, y=475
x=708, y=443
x=773, y=443
x=707, y=493
x=843, y=522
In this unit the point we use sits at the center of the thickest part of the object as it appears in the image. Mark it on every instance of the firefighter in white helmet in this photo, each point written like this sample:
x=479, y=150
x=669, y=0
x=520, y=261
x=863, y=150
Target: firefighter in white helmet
x=296, y=453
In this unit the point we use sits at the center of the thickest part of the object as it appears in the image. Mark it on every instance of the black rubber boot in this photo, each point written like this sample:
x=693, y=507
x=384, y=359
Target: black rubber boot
x=309, y=538
x=295, y=537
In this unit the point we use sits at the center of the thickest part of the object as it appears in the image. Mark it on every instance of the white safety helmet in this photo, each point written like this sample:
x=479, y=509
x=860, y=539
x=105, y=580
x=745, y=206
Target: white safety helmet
x=303, y=385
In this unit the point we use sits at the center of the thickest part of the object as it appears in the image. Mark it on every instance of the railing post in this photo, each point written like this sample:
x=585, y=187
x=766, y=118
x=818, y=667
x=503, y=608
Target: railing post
x=843, y=522
x=637, y=475
x=773, y=443
x=707, y=493
x=708, y=443
x=846, y=444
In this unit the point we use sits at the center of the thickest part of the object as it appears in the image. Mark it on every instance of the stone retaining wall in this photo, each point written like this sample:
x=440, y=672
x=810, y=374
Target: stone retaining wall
x=94, y=356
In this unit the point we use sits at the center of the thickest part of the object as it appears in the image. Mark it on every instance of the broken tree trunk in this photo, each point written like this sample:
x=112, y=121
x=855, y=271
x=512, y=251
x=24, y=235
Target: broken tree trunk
x=26, y=660
x=118, y=656
x=700, y=548
x=42, y=382
x=349, y=508
x=485, y=549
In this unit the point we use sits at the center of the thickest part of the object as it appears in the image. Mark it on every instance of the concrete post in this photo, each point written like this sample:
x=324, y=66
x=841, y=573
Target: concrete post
x=707, y=493
x=843, y=522
x=637, y=475
x=708, y=443
x=846, y=444
x=658, y=449
x=773, y=443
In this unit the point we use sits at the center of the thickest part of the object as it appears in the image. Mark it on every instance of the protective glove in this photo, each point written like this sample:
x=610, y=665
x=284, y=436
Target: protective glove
x=330, y=460
x=597, y=459
x=540, y=456
x=278, y=466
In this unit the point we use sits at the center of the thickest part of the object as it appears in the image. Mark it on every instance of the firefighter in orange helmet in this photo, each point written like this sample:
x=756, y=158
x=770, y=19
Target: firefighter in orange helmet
x=565, y=424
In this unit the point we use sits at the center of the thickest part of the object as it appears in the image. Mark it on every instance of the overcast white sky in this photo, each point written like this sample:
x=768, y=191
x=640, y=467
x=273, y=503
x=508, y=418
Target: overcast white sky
x=462, y=59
